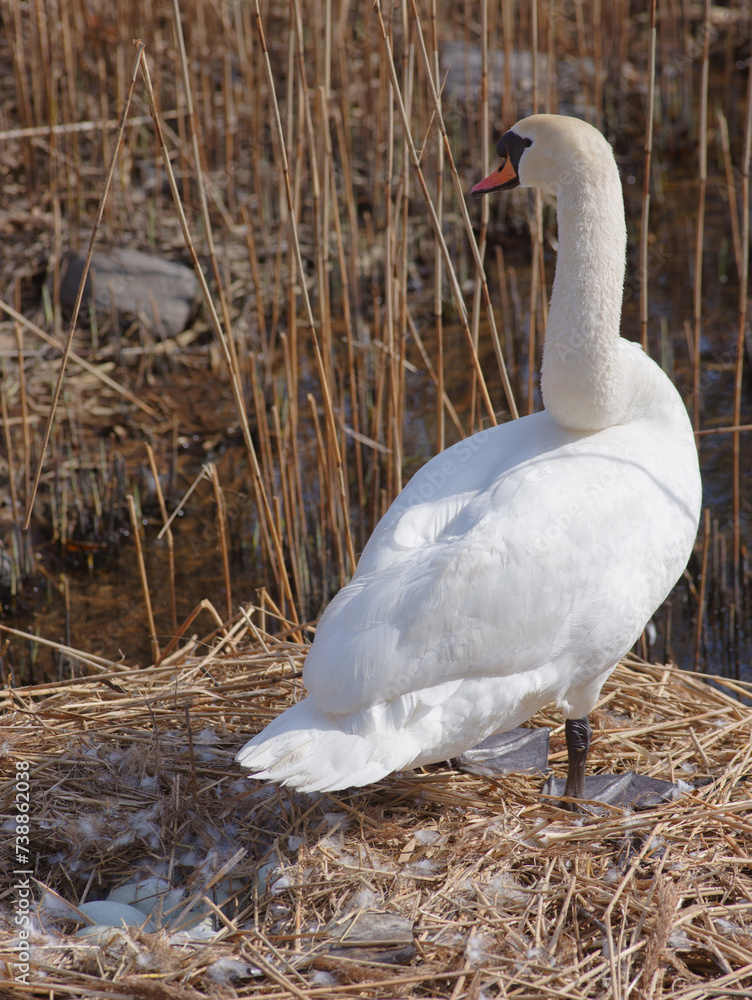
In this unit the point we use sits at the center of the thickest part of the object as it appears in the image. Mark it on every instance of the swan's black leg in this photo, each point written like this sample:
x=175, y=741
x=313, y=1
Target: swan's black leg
x=577, y=732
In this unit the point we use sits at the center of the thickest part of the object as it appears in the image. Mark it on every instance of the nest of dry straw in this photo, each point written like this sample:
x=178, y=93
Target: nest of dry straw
x=502, y=893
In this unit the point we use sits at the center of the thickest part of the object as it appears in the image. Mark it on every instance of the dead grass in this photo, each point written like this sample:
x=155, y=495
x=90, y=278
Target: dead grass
x=131, y=772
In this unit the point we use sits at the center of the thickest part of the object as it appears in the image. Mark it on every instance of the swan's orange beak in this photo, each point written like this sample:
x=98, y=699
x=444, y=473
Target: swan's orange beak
x=503, y=175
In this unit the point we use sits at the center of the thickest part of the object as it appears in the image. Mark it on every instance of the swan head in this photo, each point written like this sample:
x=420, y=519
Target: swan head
x=549, y=152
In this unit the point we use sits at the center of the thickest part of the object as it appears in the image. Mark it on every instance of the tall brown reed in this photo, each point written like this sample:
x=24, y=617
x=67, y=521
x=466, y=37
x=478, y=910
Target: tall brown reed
x=338, y=160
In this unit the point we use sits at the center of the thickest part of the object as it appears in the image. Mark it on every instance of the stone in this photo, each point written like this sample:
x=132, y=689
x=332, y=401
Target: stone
x=158, y=292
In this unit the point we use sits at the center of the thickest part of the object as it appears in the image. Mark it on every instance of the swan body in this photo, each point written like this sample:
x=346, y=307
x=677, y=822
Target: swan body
x=518, y=566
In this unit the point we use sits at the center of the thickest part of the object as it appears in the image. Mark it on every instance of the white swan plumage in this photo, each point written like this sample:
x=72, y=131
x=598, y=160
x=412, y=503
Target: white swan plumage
x=518, y=566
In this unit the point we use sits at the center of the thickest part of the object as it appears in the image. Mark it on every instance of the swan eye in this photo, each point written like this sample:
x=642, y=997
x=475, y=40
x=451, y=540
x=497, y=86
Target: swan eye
x=512, y=146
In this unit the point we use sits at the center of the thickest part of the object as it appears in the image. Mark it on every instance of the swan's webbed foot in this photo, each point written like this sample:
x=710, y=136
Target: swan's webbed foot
x=507, y=753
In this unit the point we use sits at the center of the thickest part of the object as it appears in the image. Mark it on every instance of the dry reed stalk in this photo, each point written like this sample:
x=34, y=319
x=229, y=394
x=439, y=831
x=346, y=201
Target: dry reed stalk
x=485, y=169
x=9, y=456
x=389, y=289
x=438, y=300
x=467, y=224
x=262, y=425
x=536, y=291
x=18, y=333
x=321, y=367
x=357, y=403
x=227, y=340
x=507, y=312
x=24, y=107
x=79, y=296
x=136, y=528
x=700, y=227
x=231, y=126
x=324, y=222
x=703, y=588
x=192, y=759
x=255, y=274
x=644, y=221
x=723, y=430
x=297, y=499
x=328, y=504
x=398, y=392
x=742, y=332
x=508, y=105
x=98, y=663
x=446, y=401
x=535, y=54
x=318, y=194
x=219, y=500
x=268, y=523
x=168, y=534
x=171, y=652
x=582, y=50
x=100, y=126
x=552, y=97
x=289, y=498
x=730, y=189
x=181, y=503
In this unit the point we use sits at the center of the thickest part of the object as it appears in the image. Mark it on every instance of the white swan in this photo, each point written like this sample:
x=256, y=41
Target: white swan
x=518, y=566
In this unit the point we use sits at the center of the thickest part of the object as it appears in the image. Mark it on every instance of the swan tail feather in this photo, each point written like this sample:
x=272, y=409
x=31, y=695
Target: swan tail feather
x=305, y=749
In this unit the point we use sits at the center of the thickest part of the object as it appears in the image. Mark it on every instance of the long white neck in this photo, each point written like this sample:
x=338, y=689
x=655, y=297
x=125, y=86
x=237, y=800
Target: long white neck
x=582, y=378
